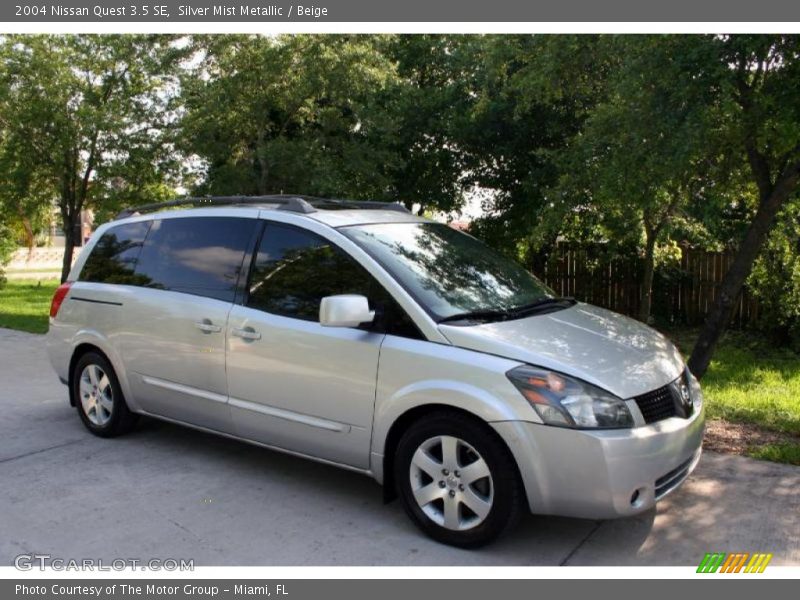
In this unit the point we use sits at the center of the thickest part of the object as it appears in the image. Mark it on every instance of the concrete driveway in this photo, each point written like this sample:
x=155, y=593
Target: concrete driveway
x=169, y=492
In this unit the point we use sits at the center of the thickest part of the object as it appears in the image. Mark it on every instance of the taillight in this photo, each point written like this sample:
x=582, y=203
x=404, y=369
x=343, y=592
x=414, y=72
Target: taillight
x=58, y=297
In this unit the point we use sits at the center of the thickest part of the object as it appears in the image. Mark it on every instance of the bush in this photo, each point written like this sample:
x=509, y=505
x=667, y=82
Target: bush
x=775, y=281
x=7, y=246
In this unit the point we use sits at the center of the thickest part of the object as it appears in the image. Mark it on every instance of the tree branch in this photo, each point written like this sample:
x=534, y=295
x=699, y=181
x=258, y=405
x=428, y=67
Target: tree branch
x=755, y=158
x=90, y=161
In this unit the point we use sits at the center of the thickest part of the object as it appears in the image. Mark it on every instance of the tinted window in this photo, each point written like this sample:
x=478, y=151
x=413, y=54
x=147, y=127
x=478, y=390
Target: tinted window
x=295, y=269
x=449, y=272
x=196, y=255
x=113, y=258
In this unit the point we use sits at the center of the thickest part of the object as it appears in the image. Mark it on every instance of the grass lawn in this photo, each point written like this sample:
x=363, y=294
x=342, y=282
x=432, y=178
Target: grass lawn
x=785, y=452
x=25, y=304
x=751, y=382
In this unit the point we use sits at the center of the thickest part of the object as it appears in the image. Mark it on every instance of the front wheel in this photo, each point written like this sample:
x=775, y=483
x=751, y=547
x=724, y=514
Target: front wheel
x=457, y=480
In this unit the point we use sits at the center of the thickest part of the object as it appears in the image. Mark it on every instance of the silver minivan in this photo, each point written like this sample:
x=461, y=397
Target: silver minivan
x=363, y=336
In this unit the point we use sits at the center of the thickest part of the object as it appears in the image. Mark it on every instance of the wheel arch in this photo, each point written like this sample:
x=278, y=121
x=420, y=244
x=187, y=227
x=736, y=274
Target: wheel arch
x=91, y=341
x=402, y=423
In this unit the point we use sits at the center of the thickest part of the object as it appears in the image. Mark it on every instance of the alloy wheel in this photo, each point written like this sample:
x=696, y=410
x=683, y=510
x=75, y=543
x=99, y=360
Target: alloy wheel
x=451, y=483
x=97, y=395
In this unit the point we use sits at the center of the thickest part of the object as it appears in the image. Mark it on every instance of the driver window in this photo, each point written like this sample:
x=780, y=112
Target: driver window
x=294, y=269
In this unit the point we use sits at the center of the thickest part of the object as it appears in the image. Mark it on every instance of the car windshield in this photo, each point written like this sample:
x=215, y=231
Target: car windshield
x=450, y=273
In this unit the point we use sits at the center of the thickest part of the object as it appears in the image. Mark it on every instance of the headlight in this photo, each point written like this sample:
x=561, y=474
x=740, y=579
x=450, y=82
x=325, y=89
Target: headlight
x=567, y=402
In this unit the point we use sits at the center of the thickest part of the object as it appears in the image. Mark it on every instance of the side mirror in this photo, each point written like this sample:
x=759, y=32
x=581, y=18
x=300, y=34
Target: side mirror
x=346, y=310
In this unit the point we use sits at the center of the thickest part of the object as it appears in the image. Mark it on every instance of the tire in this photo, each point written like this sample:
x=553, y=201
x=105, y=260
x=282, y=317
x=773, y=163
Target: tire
x=98, y=397
x=457, y=480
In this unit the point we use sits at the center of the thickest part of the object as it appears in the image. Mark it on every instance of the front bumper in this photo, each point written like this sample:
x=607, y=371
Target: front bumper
x=603, y=474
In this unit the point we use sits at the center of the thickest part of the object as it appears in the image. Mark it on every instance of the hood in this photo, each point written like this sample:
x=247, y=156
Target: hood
x=614, y=352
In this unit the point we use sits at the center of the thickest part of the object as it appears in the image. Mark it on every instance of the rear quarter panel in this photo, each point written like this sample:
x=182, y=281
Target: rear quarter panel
x=81, y=321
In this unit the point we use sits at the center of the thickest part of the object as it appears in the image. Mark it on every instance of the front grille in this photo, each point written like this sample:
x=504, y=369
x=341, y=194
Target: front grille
x=672, y=400
x=657, y=405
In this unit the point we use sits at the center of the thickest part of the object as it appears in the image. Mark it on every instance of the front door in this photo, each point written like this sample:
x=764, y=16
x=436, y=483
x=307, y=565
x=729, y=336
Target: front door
x=293, y=383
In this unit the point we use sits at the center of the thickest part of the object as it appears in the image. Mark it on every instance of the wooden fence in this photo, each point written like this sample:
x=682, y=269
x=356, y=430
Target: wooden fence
x=682, y=294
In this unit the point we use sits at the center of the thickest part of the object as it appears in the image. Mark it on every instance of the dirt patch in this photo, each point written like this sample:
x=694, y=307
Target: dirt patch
x=738, y=438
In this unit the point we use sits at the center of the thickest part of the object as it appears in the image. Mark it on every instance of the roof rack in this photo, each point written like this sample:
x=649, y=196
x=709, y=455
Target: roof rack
x=293, y=203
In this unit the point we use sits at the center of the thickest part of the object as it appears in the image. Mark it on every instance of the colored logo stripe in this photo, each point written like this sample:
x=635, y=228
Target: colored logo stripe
x=711, y=562
x=758, y=563
x=734, y=562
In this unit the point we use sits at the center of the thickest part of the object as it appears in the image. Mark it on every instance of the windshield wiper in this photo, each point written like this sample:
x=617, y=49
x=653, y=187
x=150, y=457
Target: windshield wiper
x=545, y=304
x=541, y=305
x=479, y=315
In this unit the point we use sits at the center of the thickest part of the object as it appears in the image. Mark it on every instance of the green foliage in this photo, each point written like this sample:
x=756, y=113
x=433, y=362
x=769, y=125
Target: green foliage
x=429, y=102
x=523, y=117
x=287, y=114
x=638, y=154
x=775, y=280
x=365, y=117
x=634, y=141
x=85, y=119
x=7, y=246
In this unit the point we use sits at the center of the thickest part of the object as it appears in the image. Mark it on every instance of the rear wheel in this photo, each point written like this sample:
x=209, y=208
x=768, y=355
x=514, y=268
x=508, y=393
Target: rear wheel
x=457, y=480
x=98, y=397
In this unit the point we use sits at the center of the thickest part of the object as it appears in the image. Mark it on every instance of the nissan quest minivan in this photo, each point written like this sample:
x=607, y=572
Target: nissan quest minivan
x=360, y=335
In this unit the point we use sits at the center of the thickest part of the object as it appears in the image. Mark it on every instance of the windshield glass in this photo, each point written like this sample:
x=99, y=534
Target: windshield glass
x=448, y=272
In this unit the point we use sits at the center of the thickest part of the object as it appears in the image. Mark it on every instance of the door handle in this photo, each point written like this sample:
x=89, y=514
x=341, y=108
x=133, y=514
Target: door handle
x=248, y=333
x=206, y=326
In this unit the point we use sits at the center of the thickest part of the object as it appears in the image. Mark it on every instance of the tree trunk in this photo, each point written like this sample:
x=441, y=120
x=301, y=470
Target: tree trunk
x=70, y=213
x=30, y=240
x=263, y=177
x=69, y=244
x=771, y=202
x=73, y=196
x=263, y=164
x=647, y=276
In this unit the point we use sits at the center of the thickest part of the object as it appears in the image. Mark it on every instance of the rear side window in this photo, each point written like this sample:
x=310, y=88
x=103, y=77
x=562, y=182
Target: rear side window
x=196, y=255
x=113, y=258
x=295, y=269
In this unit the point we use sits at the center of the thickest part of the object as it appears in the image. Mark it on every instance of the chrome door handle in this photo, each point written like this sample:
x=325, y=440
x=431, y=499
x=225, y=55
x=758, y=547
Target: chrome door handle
x=206, y=326
x=248, y=333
